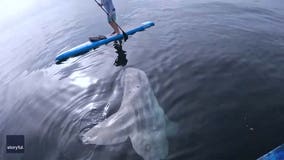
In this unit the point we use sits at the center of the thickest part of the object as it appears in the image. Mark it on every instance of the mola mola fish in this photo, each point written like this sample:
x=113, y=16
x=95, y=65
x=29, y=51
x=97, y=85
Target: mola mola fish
x=139, y=118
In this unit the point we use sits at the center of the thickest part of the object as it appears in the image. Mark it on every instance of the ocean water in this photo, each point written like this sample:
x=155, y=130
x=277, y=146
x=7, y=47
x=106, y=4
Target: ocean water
x=206, y=82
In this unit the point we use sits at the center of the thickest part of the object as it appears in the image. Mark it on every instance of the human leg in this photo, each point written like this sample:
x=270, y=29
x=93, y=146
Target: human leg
x=111, y=21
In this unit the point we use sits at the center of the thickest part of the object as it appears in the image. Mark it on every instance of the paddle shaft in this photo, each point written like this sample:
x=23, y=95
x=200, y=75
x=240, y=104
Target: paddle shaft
x=125, y=36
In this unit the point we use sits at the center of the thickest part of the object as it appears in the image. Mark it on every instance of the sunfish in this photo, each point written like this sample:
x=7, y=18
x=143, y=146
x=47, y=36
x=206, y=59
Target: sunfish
x=139, y=118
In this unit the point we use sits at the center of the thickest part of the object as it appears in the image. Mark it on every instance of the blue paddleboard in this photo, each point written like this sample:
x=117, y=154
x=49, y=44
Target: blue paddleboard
x=276, y=154
x=87, y=46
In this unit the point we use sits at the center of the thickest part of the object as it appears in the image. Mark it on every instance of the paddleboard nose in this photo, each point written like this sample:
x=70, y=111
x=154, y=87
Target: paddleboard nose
x=148, y=24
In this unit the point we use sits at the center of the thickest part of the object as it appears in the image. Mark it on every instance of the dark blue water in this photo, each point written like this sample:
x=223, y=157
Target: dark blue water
x=205, y=83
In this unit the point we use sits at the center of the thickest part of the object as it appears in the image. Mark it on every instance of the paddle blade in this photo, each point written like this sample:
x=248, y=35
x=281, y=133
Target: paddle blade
x=125, y=36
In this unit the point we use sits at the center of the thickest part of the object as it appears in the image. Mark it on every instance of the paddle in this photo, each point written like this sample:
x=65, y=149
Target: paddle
x=125, y=36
